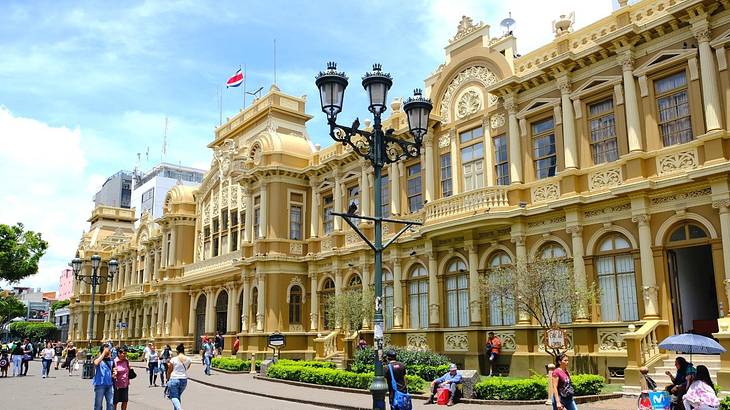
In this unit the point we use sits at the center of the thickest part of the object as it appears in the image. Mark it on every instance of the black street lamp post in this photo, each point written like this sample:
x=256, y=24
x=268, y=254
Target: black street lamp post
x=380, y=148
x=94, y=279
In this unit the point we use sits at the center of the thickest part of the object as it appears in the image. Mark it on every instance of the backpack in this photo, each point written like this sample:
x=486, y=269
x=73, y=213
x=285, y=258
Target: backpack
x=401, y=401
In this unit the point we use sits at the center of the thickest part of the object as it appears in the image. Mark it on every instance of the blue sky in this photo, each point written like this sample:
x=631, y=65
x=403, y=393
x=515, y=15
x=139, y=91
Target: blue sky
x=85, y=86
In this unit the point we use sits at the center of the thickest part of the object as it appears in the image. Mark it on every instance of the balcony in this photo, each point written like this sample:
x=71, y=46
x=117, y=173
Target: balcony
x=466, y=203
x=220, y=261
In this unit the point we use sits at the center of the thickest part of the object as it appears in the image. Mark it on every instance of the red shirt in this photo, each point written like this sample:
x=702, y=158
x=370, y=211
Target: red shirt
x=236, y=345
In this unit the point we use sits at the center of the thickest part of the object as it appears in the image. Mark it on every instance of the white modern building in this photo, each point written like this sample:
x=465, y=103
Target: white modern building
x=149, y=188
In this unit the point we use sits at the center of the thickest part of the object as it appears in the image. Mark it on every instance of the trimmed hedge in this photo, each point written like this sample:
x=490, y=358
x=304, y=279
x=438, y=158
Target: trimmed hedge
x=533, y=388
x=133, y=356
x=335, y=377
x=364, y=358
x=423, y=371
x=233, y=364
x=725, y=403
x=307, y=363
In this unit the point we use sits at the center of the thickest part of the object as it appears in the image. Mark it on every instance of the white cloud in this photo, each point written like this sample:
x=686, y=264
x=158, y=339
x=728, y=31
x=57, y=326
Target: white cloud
x=45, y=187
x=534, y=19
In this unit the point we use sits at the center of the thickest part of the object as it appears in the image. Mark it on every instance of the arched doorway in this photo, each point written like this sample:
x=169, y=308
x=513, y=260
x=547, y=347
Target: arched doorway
x=692, y=279
x=199, y=321
x=221, y=312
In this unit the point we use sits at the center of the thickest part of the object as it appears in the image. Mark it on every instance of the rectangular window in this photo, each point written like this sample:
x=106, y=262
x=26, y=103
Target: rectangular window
x=234, y=240
x=418, y=303
x=501, y=161
x=446, y=184
x=328, y=220
x=215, y=246
x=543, y=148
x=604, y=145
x=257, y=222
x=242, y=218
x=415, y=199
x=224, y=219
x=353, y=197
x=216, y=225
x=617, y=285
x=470, y=135
x=206, y=231
x=457, y=300
x=385, y=194
x=234, y=218
x=148, y=200
x=224, y=244
x=388, y=305
x=674, y=120
x=472, y=163
x=295, y=222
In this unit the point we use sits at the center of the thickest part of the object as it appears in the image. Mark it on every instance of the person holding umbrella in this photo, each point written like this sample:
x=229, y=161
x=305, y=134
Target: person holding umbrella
x=679, y=382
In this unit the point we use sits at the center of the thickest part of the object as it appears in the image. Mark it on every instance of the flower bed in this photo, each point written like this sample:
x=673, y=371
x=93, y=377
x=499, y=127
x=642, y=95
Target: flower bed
x=334, y=377
x=533, y=388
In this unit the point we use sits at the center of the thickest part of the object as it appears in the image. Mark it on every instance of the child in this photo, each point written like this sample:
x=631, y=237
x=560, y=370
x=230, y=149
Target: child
x=4, y=364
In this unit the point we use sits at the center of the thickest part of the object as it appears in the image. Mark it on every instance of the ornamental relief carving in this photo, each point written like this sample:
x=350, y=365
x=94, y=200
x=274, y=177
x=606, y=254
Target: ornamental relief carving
x=296, y=248
x=681, y=196
x=327, y=244
x=351, y=239
x=545, y=192
x=417, y=341
x=466, y=26
x=611, y=340
x=496, y=121
x=444, y=141
x=456, y=342
x=508, y=340
x=605, y=179
x=475, y=73
x=469, y=103
x=678, y=161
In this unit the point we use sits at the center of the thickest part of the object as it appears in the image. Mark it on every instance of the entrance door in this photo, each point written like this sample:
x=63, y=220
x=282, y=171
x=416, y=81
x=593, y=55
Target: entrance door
x=692, y=285
x=199, y=322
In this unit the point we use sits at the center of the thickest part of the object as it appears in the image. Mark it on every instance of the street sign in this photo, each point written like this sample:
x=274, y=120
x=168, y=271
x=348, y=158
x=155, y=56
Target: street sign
x=555, y=338
x=122, y=325
x=277, y=340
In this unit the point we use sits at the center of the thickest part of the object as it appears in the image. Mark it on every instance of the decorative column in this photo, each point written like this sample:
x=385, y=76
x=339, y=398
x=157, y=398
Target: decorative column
x=135, y=269
x=648, y=279
x=313, y=303
x=710, y=85
x=337, y=197
x=429, y=195
x=161, y=315
x=314, y=219
x=364, y=189
x=579, y=268
x=397, y=294
x=433, y=291
x=515, y=149
x=145, y=323
x=261, y=305
x=264, y=210
x=724, y=208
x=156, y=257
x=173, y=247
x=168, y=315
x=163, y=262
x=338, y=292
x=394, y=178
x=191, y=314
x=232, y=314
x=631, y=103
x=456, y=170
x=246, y=302
x=475, y=302
x=521, y=256
x=209, y=311
x=248, y=231
x=366, y=280
x=571, y=150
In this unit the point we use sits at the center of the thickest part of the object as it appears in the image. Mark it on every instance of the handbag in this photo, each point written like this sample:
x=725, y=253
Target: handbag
x=566, y=391
x=401, y=401
x=132, y=374
x=26, y=358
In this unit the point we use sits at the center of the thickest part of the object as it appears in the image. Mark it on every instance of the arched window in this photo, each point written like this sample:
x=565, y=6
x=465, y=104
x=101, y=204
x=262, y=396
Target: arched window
x=328, y=290
x=221, y=312
x=295, y=305
x=457, y=294
x=616, y=279
x=355, y=282
x=388, y=298
x=418, y=297
x=687, y=232
x=553, y=250
x=501, y=309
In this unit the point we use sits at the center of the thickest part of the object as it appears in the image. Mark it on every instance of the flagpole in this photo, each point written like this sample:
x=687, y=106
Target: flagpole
x=220, y=105
x=244, y=86
x=275, y=61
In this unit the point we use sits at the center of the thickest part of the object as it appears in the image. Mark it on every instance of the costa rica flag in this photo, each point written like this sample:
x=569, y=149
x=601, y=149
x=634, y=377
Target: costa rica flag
x=235, y=80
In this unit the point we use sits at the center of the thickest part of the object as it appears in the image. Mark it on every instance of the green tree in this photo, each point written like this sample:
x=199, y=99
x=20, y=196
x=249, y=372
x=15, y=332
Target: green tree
x=20, y=251
x=350, y=308
x=34, y=330
x=59, y=304
x=10, y=307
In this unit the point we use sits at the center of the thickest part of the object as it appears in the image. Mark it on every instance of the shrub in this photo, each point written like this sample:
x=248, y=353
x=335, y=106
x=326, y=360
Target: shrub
x=133, y=356
x=233, y=364
x=306, y=363
x=725, y=403
x=363, y=360
x=423, y=371
x=33, y=330
x=497, y=388
x=334, y=377
x=587, y=384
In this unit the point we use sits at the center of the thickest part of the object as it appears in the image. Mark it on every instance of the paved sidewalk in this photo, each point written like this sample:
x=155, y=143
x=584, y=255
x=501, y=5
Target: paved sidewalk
x=345, y=400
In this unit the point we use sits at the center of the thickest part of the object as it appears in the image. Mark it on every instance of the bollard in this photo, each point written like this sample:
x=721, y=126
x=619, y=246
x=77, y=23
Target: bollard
x=551, y=393
x=253, y=363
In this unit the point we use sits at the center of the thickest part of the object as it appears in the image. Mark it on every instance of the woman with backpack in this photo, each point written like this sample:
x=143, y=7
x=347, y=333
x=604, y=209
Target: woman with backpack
x=164, y=362
x=563, y=388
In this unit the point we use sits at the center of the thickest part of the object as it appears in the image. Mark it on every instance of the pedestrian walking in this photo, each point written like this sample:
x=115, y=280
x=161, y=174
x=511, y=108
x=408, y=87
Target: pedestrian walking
x=103, y=382
x=27, y=355
x=208, y=352
x=218, y=343
x=164, y=362
x=398, y=372
x=17, y=356
x=70, y=361
x=58, y=353
x=701, y=392
x=563, y=387
x=47, y=355
x=121, y=375
x=177, y=376
x=153, y=365
x=493, y=348
x=4, y=363
x=449, y=381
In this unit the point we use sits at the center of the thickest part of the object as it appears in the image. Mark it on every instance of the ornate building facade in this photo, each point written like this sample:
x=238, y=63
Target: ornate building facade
x=608, y=147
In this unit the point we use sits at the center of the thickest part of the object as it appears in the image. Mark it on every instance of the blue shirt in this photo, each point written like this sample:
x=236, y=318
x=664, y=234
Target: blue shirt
x=456, y=379
x=103, y=374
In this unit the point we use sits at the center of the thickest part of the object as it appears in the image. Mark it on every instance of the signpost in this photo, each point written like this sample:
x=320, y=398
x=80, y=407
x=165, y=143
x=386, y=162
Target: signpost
x=121, y=325
x=555, y=339
x=276, y=341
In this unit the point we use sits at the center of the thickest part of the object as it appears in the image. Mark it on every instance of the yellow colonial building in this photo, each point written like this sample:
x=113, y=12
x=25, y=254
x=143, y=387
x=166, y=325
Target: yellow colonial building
x=608, y=146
